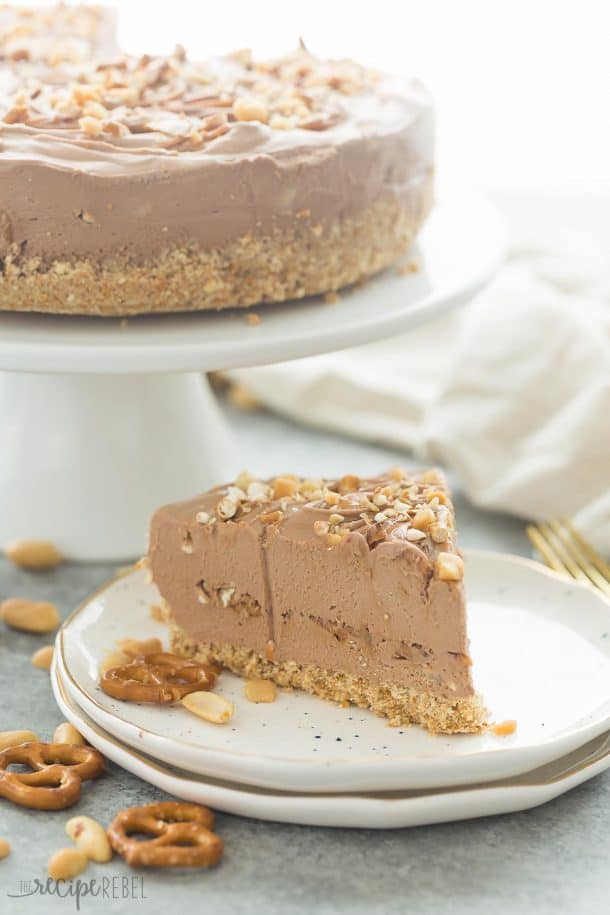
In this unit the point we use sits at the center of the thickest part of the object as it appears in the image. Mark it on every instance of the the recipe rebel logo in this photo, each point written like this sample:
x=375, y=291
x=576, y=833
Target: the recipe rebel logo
x=109, y=888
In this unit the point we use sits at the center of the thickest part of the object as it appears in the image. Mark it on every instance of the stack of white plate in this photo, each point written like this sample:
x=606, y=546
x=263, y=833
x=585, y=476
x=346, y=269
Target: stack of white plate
x=541, y=646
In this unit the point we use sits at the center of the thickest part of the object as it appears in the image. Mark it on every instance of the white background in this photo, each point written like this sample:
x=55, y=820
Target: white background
x=522, y=87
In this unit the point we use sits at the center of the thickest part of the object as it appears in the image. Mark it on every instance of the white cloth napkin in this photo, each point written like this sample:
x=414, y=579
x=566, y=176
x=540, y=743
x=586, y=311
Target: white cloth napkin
x=512, y=392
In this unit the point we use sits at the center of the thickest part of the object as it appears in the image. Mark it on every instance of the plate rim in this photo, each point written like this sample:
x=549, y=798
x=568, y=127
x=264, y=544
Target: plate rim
x=511, y=781
x=520, y=756
x=234, y=792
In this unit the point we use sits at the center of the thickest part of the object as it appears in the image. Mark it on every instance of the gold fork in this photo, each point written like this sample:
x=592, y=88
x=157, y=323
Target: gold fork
x=565, y=550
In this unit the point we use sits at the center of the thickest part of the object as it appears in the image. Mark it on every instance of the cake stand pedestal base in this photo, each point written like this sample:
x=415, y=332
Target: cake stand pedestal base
x=85, y=459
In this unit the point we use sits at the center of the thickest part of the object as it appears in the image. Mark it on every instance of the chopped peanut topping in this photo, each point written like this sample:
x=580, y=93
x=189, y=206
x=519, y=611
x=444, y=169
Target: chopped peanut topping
x=397, y=473
x=244, y=479
x=250, y=109
x=333, y=539
x=449, y=567
x=91, y=127
x=398, y=506
x=439, y=533
x=271, y=517
x=258, y=491
x=180, y=105
x=437, y=494
x=348, y=483
x=424, y=519
x=413, y=534
x=431, y=476
x=309, y=486
x=226, y=509
x=284, y=487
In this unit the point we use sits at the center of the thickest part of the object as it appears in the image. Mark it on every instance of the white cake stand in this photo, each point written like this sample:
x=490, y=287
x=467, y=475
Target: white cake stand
x=102, y=422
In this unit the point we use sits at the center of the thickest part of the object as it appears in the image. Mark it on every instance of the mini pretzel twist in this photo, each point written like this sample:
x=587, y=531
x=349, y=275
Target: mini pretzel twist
x=182, y=834
x=160, y=677
x=58, y=770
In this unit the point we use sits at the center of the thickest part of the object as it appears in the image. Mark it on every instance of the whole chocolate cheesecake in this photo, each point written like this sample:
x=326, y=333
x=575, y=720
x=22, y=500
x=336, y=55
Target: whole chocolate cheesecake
x=350, y=589
x=155, y=184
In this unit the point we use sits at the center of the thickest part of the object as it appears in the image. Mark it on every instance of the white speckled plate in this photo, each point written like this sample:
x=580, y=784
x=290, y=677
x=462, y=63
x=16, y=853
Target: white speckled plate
x=379, y=810
x=541, y=649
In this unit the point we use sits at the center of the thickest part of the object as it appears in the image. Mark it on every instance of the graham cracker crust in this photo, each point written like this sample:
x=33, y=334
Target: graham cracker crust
x=399, y=704
x=309, y=259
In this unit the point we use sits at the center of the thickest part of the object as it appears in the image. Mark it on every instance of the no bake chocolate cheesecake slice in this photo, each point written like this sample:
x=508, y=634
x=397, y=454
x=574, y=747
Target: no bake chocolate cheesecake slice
x=350, y=589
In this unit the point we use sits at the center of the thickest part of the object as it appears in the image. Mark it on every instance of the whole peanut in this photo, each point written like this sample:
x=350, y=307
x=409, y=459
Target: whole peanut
x=43, y=658
x=14, y=738
x=35, y=555
x=90, y=838
x=29, y=615
x=67, y=733
x=67, y=863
